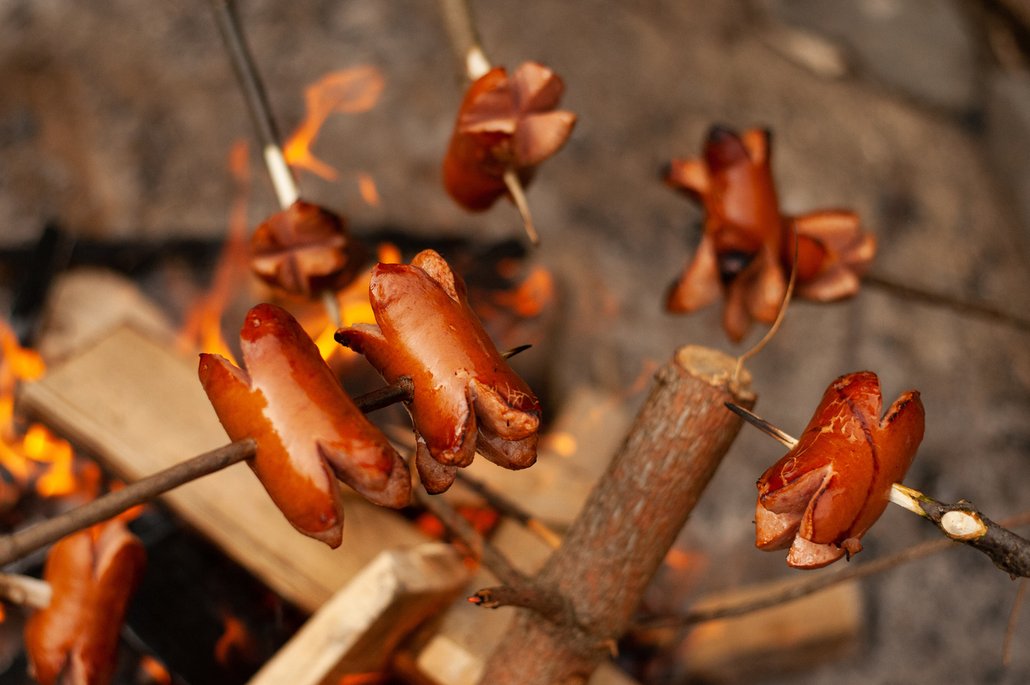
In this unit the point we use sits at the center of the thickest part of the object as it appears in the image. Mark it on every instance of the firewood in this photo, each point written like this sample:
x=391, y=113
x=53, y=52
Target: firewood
x=74, y=316
x=138, y=407
x=357, y=630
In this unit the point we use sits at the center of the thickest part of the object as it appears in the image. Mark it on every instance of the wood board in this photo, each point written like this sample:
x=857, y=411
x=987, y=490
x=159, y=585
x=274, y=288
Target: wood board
x=357, y=630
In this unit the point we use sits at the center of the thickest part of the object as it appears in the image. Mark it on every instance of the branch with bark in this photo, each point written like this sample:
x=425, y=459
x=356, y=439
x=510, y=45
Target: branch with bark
x=628, y=523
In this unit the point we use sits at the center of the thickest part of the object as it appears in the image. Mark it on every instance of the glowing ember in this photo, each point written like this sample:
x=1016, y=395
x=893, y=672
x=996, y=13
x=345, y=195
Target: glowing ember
x=236, y=641
x=368, y=190
x=38, y=454
x=561, y=443
x=347, y=91
x=203, y=326
x=530, y=297
x=154, y=671
x=21, y=363
x=42, y=446
x=680, y=560
x=375, y=678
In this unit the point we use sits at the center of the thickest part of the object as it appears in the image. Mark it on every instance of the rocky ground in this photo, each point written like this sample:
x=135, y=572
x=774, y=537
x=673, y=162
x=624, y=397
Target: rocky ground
x=116, y=118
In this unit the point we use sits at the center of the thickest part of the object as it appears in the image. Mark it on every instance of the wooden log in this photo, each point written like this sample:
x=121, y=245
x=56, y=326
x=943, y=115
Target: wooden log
x=357, y=630
x=629, y=522
x=138, y=408
x=85, y=304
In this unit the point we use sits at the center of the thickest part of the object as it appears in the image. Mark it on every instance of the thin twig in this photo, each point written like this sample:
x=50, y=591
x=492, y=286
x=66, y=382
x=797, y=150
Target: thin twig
x=780, y=314
x=518, y=589
x=512, y=510
x=461, y=29
x=18, y=544
x=809, y=584
x=761, y=424
x=257, y=102
x=1010, y=627
x=518, y=196
x=401, y=391
x=982, y=309
x=963, y=522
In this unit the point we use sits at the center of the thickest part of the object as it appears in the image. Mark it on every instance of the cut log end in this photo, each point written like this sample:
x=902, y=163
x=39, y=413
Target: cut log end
x=716, y=369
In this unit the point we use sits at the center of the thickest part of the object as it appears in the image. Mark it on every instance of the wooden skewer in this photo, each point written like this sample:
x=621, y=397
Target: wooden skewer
x=961, y=522
x=257, y=102
x=17, y=545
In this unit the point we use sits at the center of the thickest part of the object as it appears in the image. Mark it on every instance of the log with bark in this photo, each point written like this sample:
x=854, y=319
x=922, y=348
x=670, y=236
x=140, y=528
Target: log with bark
x=628, y=523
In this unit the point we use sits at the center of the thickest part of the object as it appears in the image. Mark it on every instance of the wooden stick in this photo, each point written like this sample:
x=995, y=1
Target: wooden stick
x=257, y=102
x=461, y=29
x=628, y=523
x=962, y=306
x=25, y=590
x=518, y=196
x=506, y=507
x=810, y=584
x=16, y=545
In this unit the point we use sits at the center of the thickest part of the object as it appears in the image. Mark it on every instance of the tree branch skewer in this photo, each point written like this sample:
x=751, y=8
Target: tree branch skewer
x=960, y=521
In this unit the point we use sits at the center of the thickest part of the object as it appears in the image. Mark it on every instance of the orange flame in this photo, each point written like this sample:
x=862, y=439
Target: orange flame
x=531, y=296
x=354, y=304
x=42, y=446
x=346, y=91
x=368, y=190
x=371, y=678
x=203, y=326
x=21, y=363
x=38, y=452
x=235, y=641
x=154, y=670
x=561, y=443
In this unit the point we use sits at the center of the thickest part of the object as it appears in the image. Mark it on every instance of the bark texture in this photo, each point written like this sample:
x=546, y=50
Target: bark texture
x=628, y=523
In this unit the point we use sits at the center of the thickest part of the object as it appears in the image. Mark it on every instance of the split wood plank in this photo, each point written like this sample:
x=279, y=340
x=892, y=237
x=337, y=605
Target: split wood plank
x=138, y=408
x=357, y=630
